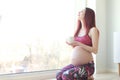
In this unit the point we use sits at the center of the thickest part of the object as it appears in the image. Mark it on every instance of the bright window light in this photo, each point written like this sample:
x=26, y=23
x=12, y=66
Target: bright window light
x=33, y=34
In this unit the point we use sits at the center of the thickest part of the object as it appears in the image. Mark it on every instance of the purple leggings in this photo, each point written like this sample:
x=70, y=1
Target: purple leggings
x=71, y=72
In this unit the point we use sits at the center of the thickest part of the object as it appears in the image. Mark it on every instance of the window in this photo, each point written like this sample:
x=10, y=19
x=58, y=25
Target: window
x=33, y=34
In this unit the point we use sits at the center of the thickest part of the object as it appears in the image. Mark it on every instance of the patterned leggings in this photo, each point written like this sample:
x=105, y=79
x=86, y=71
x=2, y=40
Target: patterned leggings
x=71, y=72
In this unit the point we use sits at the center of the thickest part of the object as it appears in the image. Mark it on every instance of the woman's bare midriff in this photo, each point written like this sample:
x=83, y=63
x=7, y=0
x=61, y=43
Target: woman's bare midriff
x=80, y=56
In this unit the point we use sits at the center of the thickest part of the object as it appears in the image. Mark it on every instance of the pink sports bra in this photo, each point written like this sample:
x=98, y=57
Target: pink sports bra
x=84, y=39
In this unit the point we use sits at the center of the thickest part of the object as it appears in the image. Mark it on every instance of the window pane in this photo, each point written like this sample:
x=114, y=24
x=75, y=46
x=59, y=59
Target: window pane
x=33, y=34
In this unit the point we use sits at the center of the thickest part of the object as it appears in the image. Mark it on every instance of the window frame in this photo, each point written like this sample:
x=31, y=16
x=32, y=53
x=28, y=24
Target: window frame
x=37, y=75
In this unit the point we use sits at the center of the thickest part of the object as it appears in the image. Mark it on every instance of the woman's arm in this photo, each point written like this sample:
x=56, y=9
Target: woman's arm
x=94, y=34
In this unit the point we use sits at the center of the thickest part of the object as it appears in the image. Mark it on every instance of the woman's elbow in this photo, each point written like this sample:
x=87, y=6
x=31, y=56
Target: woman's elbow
x=95, y=51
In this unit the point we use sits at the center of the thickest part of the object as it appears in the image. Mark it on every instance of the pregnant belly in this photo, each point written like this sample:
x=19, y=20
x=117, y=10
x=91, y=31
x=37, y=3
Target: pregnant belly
x=80, y=56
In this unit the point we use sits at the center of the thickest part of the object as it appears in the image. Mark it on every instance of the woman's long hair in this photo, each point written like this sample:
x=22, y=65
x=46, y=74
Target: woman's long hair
x=89, y=21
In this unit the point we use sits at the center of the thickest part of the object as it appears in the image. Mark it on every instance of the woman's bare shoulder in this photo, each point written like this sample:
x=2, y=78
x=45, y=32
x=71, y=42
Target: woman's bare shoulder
x=94, y=30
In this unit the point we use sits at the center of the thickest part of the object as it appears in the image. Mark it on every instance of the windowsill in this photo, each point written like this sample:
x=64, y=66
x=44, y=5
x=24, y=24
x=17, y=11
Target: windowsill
x=38, y=75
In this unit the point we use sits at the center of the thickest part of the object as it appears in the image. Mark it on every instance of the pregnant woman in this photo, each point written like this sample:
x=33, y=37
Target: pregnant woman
x=84, y=43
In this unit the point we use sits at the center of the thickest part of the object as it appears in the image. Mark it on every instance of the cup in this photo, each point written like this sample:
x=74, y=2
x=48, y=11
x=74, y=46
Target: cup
x=70, y=39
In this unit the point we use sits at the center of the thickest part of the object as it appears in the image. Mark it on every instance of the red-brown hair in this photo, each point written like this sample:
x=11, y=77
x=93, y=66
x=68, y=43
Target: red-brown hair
x=89, y=21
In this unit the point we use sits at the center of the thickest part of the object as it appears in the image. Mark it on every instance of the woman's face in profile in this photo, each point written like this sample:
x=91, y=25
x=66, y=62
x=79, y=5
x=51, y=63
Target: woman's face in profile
x=81, y=14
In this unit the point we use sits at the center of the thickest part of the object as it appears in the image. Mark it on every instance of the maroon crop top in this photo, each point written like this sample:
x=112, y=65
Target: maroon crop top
x=84, y=39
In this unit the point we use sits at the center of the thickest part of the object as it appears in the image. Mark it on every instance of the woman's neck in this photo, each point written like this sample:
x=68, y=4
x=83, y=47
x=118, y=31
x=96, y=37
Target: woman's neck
x=83, y=29
x=83, y=26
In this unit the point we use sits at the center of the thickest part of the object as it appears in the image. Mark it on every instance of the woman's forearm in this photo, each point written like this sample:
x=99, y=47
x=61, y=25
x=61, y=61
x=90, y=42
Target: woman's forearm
x=88, y=48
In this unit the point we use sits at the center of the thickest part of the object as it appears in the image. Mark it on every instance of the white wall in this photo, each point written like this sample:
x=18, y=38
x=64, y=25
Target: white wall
x=108, y=17
x=101, y=24
x=113, y=24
